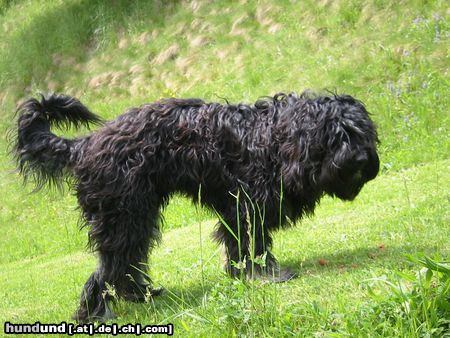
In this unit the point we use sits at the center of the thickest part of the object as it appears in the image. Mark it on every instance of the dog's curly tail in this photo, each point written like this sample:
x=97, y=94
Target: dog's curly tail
x=40, y=153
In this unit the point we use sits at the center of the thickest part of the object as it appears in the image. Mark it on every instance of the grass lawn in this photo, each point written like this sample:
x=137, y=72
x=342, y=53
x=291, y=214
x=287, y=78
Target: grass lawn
x=361, y=269
x=335, y=253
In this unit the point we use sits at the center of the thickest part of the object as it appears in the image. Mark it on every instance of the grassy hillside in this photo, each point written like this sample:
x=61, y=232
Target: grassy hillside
x=115, y=54
x=392, y=55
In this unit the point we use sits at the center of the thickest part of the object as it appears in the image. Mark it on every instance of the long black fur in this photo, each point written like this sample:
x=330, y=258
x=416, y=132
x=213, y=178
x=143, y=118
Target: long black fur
x=279, y=155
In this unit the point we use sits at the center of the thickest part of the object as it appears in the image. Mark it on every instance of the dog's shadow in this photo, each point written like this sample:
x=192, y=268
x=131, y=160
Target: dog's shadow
x=362, y=258
x=177, y=300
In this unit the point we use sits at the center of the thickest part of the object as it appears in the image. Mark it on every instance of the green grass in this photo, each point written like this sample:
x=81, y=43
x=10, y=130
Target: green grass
x=113, y=55
x=355, y=241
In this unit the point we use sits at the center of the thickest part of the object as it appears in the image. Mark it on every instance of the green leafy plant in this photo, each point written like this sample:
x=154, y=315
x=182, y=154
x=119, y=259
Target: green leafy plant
x=418, y=302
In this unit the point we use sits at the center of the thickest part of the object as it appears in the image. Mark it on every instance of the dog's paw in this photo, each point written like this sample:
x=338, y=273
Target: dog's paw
x=157, y=291
x=273, y=275
x=82, y=316
x=143, y=294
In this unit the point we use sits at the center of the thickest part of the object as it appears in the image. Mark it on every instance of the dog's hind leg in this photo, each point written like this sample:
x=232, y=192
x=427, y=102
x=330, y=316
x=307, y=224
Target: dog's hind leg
x=122, y=237
x=94, y=301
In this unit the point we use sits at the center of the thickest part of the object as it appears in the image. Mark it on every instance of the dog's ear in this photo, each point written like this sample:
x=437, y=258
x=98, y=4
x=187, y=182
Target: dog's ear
x=335, y=165
x=372, y=166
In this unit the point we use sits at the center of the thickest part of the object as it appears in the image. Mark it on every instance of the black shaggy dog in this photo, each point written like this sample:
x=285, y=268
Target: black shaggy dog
x=258, y=166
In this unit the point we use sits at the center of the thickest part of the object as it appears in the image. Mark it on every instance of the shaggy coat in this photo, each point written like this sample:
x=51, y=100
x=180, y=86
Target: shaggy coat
x=258, y=166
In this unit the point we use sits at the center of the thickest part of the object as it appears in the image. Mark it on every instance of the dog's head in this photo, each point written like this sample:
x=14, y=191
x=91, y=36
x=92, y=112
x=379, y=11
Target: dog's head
x=350, y=139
